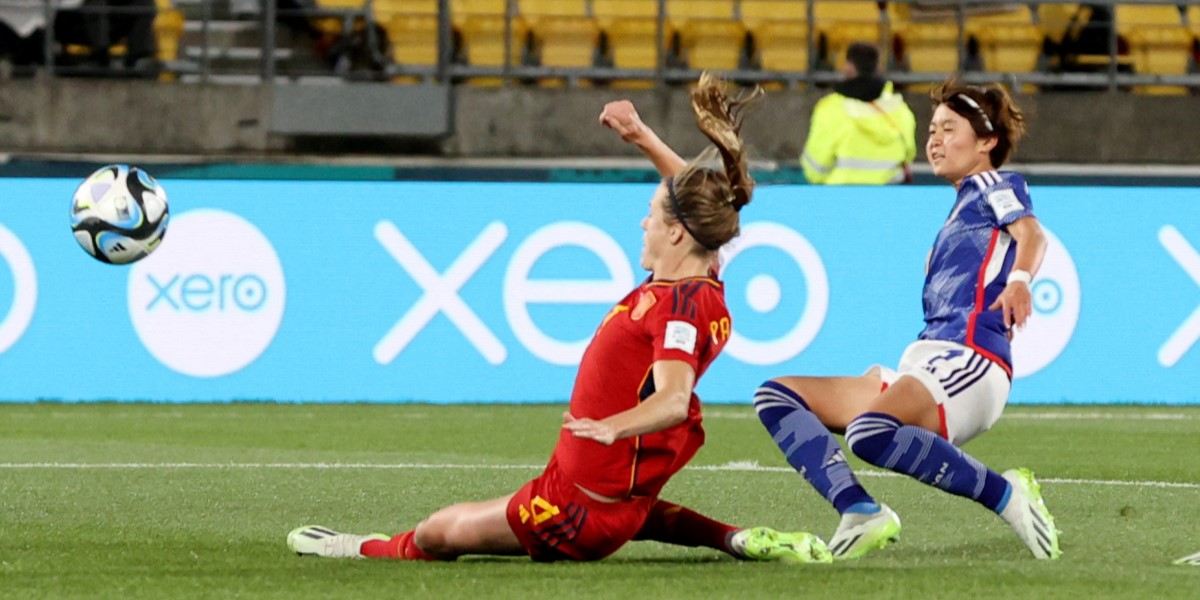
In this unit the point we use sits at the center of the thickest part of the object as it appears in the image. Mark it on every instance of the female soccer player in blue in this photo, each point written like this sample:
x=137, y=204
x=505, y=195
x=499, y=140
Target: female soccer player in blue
x=953, y=382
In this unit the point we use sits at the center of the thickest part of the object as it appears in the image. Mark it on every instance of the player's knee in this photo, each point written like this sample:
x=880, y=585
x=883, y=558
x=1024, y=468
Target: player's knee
x=431, y=535
x=870, y=434
x=772, y=398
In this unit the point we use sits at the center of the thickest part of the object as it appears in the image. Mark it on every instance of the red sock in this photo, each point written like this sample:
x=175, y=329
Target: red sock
x=681, y=526
x=401, y=547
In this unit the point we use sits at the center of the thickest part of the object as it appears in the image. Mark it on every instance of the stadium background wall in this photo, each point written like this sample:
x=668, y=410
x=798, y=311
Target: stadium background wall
x=450, y=292
x=66, y=115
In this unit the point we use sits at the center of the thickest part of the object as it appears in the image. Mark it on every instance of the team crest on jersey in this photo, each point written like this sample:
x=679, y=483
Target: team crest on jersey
x=645, y=302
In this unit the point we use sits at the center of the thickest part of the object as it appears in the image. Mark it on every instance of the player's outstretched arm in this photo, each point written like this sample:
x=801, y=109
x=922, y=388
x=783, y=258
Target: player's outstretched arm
x=1016, y=301
x=666, y=407
x=622, y=117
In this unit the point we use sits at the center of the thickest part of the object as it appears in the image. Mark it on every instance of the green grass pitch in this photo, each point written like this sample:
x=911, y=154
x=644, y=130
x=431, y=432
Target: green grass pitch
x=166, y=501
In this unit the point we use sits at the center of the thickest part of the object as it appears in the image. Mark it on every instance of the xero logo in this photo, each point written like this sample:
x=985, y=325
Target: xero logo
x=199, y=292
x=24, y=277
x=209, y=301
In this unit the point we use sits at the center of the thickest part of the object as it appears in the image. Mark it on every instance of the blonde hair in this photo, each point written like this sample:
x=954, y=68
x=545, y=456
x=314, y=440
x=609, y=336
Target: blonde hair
x=706, y=200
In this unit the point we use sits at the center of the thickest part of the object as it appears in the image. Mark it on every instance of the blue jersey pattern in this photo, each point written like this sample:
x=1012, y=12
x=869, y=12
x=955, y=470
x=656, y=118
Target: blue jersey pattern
x=969, y=264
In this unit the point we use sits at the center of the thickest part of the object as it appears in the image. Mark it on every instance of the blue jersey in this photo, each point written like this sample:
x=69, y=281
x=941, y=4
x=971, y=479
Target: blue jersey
x=969, y=265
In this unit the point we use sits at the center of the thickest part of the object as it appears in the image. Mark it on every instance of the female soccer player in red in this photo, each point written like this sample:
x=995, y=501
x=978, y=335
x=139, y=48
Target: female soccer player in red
x=634, y=420
x=953, y=382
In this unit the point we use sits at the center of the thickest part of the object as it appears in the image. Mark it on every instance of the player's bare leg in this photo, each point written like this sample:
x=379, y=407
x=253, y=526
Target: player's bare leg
x=466, y=528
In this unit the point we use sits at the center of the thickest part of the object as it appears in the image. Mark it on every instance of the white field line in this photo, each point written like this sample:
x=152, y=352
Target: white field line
x=737, y=466
x=1030, y=416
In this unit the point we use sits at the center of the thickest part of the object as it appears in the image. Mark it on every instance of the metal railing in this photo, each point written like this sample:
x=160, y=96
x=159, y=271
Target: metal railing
x=362, y=33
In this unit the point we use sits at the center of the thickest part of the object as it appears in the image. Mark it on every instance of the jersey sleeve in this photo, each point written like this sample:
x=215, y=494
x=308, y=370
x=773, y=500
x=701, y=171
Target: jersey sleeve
x=1008, y=200
x=679, y=324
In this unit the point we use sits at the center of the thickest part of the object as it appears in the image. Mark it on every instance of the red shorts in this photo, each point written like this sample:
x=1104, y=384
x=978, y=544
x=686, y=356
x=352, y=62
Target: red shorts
x=554, y=520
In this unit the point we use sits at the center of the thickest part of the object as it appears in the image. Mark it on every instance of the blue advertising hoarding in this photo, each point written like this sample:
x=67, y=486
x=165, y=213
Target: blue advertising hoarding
x=460, y=292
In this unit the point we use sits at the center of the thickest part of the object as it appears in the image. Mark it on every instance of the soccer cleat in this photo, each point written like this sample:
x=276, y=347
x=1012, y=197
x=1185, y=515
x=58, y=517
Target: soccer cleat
x=858, y=534
x=1027, y=514
x=1193, y=560
x=314, y=540
x=766, y=544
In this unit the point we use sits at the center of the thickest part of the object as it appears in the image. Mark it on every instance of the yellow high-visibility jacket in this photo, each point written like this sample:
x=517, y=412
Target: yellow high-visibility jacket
x=856, y=142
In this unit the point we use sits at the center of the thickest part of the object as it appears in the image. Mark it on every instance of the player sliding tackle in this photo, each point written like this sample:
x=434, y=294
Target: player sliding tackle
x=953, y=382
x=634, y=419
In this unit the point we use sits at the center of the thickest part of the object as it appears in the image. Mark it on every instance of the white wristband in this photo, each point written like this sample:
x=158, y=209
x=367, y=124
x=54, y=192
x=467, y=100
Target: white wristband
x=1021, y=276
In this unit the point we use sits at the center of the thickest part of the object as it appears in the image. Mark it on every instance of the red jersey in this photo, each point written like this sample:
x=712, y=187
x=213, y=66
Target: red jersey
x=683, y=320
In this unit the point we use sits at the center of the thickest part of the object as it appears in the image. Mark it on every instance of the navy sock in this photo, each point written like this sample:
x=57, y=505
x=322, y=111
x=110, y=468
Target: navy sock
x=809, y=447
x=883, y=441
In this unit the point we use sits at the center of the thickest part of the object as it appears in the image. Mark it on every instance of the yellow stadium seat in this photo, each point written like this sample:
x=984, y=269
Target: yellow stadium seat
x=714, y=45
x=564, y=31
x=1193, y=17
x=929, y=46
x=609, y=10
x=535, y=9
x=1053, y=19
x=481, y=23
x=1008, y=40
x=844, y=23
x=411, y=27
x=1157, y=40
x=759, y=12
x=168, y=29
x=330, y=25
x=631, y=27
x=709, y=35
x=780, y=29
x=690, y=10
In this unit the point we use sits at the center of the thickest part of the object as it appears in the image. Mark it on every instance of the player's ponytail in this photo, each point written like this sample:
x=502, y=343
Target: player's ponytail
x=707, y=199
x=991, y=111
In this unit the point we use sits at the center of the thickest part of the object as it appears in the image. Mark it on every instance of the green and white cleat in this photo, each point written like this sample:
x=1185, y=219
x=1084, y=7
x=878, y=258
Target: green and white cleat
x=1193, y=560
x=766, y=544
x=1027, y=514
x=858, y=534
x=314, y=540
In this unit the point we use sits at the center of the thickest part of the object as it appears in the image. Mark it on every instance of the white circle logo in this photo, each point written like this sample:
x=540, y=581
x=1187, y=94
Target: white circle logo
x=763, y=294
x=20, y=313
x=210, y=300
x=1056, y=296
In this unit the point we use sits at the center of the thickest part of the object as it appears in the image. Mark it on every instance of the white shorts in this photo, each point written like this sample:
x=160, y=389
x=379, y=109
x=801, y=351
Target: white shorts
x=969, y=389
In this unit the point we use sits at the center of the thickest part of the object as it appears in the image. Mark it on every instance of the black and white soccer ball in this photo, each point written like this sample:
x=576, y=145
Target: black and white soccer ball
x=119, y=214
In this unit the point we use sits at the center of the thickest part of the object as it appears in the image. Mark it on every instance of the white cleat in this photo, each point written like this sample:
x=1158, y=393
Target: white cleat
x=859, y=534
x=314, y=540
x=1027, y=514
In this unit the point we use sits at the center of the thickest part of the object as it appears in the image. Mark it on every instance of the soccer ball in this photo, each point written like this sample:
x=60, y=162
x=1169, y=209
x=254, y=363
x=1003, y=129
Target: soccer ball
x=119, y=214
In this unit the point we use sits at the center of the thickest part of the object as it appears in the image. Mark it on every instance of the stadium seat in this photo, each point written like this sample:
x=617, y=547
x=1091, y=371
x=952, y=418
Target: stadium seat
x=481, y=23
x=411, y=27
x=1053, y=19
x=710, y=36
x=1158, y=41
x=1193, y=19
x=168, y=29
x=330, y=25
x=565, y=33
x=780, y=29
x=930, y=46
x=631, y=26
x=1009, y=40
x=844, y=23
